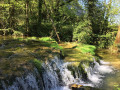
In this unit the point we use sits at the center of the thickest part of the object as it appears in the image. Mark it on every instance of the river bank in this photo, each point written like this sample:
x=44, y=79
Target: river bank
x=41, y=64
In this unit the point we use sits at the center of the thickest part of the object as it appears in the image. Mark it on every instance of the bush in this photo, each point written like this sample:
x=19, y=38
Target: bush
x=82, y=32
x=106, y=40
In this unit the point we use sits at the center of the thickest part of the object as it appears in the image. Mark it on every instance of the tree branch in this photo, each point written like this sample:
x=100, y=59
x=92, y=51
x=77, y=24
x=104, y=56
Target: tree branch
x=68, y=1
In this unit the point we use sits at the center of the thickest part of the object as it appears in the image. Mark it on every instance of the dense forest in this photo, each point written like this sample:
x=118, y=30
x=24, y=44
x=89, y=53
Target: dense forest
x=86, y=21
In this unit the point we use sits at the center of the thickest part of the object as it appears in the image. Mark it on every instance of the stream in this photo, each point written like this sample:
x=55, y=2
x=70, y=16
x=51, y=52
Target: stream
x=113, y=79
x=56, y=74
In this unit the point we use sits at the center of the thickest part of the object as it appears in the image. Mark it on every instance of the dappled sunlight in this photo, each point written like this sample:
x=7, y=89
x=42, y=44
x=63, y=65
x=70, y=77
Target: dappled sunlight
x=17, y=52
x=73, y=52
x=59, y=44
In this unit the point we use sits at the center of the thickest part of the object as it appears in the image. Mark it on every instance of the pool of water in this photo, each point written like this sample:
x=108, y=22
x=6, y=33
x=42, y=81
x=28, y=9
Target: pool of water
x=113, y=79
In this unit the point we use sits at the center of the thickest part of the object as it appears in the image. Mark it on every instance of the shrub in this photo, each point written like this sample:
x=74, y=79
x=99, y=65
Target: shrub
x=82, y=32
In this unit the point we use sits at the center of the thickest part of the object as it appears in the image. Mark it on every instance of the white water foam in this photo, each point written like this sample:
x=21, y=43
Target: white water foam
x=27, y=83
x=104, y=63
x=98, y=72
x=56, y=76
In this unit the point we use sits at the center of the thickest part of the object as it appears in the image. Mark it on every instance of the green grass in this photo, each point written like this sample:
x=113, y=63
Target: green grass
x=49, y=42
x=87, y=49
x=45, y=41
x=77, y=52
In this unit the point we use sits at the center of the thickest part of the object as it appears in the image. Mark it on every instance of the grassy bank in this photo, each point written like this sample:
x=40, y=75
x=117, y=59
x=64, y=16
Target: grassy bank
x=77, y=52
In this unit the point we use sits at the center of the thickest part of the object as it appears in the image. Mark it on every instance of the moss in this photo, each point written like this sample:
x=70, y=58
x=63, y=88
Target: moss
x=78, y=52
x=72, y=69
x=82, y=71
x=21, y=51
x=79, y=70
x=49, y=42
x=87, y=49
x=38, y=64
x=85, y=64
x=47, y=39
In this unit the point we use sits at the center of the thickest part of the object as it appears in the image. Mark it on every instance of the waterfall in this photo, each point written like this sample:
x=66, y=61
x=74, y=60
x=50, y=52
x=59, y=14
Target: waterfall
x=23, y=83
x=57, y=76
x=97, y=73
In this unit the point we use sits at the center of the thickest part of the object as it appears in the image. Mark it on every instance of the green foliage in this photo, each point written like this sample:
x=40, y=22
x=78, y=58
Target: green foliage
x=82, y=32
x=66, y=33
x=6, y=32
x=72, y=20
x=117, y=87
x=106, y=40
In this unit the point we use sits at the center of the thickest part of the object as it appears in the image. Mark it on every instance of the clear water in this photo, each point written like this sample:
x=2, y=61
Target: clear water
x=111, y=79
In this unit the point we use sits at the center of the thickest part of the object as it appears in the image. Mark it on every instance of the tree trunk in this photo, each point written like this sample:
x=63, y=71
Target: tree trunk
x=53, y=24
x=54, y=27
x=91, y=15
x=27, y=18
x=9, y=20
x=117, y=40
x=39, y=13
x=107, y=17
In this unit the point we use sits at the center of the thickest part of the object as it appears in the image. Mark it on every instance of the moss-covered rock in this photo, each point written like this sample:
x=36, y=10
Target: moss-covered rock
x=17, y=53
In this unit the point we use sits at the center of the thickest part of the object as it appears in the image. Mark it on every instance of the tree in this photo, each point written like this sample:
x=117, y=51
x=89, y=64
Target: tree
x=106, y=15
x=27, y=17
x=39, y=13
x=50, y=12
x=117, y=40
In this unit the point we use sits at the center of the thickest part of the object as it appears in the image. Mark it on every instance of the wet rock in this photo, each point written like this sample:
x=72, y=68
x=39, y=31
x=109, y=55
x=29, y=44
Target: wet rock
x=81, y=87
x=76, y=87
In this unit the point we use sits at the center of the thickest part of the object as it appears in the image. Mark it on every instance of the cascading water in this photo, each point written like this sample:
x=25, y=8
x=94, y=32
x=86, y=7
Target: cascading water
x=57, y=76
x=96, y=74
x=23, y=83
